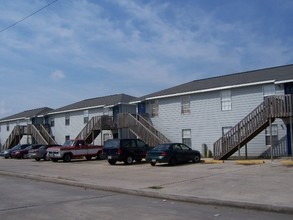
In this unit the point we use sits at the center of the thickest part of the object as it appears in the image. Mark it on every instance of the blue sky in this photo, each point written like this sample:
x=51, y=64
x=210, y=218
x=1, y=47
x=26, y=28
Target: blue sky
x=80, y=49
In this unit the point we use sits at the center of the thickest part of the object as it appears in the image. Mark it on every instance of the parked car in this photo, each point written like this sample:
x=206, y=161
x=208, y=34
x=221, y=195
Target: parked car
x=172, y=153
x=7, y=153
x=73, y=149
x=41, y=152
x=23, y=153
x=126, y=150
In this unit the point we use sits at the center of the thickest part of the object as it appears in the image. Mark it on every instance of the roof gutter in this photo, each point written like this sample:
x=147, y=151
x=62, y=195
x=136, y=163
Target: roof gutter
x=73, y=110
x=208, y=90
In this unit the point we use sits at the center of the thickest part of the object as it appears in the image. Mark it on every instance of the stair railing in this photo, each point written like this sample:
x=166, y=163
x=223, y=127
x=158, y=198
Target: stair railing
x=126, y=120
x=31, y=129
x=272, y=107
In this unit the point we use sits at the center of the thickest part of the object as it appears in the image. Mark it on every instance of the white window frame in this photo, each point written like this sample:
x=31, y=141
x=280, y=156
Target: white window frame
x=67, y=119
x=186, y=137
x=226, y=100
x=154, y=104
x=269, y=90
x=185, y=105
x=275, y=136
x=85, y=116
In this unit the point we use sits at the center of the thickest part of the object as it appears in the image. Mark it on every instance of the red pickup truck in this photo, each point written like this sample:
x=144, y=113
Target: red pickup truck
x=72, y=149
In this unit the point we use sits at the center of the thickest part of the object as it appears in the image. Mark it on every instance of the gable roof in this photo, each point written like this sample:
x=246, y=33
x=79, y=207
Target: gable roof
x=99, y=102
x=275, y=75
x=27, y=114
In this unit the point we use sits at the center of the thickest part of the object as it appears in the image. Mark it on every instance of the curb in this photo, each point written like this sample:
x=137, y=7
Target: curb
x=250, y=162
x=212, y=161
x=287, y=163
x=158, y=195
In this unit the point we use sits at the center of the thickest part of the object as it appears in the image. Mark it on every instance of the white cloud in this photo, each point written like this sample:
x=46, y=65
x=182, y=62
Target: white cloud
x=57, y=75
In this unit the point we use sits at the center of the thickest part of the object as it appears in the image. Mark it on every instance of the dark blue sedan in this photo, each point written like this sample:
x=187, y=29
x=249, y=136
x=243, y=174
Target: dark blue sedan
x=172, y=153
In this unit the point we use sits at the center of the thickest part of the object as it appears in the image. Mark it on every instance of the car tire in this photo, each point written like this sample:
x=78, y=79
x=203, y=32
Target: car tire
x=112, y=162
x=88, y=158
x=67, y=158
x=153, y=163
x=46, y=157
x=196, y=159
x=37, y=159
x=172, y=161
x=128, y=160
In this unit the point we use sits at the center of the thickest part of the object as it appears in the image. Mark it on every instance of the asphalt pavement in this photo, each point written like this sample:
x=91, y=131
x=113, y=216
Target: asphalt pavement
x=262, y=185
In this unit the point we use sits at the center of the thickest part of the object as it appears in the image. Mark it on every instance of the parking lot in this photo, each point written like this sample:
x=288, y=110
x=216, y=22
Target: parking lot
x=265, y=186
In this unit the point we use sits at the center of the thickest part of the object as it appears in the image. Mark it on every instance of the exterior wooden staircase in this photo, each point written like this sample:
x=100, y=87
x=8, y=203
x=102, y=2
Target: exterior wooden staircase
x=273, y=107
x=94, y=126
x=138, y=125
x=38, y=132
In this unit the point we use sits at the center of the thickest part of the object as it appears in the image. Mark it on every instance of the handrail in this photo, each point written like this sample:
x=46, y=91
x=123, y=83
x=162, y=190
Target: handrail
x=31, y=129
x=147, y=124
x=46, y=135
x=272, y=107
x=126, y=120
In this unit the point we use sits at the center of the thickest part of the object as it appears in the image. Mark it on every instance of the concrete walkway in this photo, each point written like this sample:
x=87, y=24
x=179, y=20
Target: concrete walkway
x=265, y=185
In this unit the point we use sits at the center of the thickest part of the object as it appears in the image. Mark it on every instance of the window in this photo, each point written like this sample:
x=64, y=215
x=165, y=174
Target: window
x=269, y=90
x=274, y=135
x=67, y=137
x=226, y=101
x=185, y=105
x=67, y=119
x=226, y=129
x=186, y=137
x=52, y=122
x=140, y=144
x=154, y=108
x=184, y=147
x=85, y=116
x=7, y=127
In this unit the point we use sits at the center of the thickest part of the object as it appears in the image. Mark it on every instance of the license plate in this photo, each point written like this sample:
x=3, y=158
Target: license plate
x=109, y=157
x=154, y=160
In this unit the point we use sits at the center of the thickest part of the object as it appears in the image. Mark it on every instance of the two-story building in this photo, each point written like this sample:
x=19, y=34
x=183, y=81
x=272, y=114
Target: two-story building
x=200, y=112
x=240, y=114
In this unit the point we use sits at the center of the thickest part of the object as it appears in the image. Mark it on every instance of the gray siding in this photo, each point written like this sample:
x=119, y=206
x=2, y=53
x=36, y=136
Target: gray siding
x=206, y=118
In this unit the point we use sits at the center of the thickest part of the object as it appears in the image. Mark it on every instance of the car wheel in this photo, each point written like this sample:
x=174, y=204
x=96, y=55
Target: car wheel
x=67, y=158
x=153, y=163
x=172, y=161
x=37, y=159
x=112, y=162
x=128, y=160
x=46, y=157
x=88, y=158
x=196, y=159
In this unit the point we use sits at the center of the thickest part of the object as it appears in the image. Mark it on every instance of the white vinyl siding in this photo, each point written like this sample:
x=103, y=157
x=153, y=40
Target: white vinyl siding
x=206, y=118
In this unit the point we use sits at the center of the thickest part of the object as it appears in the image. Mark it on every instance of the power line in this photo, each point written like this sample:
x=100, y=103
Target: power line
x=12, y=25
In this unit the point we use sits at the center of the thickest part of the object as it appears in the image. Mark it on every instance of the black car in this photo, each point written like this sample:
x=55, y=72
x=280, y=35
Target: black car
x=172, y=153
x=126, y=150
x=8, y=152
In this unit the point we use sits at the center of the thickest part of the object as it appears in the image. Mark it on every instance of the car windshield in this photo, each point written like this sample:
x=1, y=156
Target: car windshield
x=162, y=147
x=111, y=144
x=68, y=143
